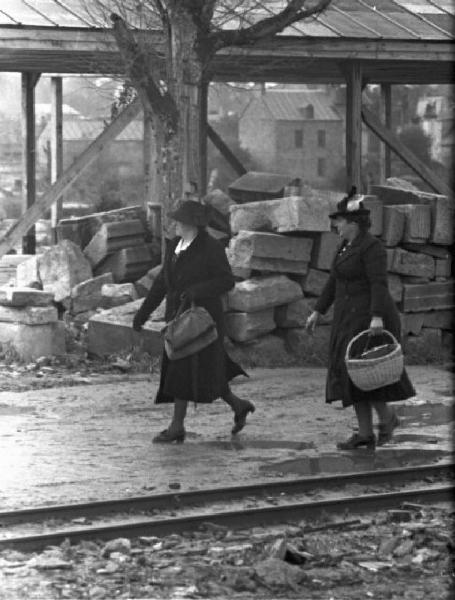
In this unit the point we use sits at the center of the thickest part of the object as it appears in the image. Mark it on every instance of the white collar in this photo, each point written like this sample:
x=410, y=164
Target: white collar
x=183, y=245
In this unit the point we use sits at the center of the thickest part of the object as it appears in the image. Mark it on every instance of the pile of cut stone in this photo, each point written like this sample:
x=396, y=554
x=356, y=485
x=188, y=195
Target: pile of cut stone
x=282, y=251
x=93, y=267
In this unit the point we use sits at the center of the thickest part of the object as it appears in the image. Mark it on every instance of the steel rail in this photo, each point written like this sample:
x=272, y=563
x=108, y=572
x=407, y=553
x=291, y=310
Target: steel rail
x=206, y=496
x=245, y=518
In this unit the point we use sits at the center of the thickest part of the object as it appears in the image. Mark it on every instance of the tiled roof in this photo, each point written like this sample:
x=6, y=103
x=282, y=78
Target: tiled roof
x=287, y=105
x=375, y=19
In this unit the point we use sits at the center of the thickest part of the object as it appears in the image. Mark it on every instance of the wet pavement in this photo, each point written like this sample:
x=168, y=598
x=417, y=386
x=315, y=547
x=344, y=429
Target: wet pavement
x=95, y=441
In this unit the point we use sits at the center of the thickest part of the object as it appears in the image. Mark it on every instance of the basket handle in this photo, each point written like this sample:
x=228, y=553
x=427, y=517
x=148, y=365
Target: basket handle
x=359, y=335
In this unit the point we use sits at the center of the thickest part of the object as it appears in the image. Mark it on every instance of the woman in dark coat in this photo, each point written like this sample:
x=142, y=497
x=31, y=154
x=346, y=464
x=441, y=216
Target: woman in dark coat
x=195, y=269
x=358, y=288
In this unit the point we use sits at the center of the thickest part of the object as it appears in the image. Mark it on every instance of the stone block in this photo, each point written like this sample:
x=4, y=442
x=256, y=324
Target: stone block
x=80, y=230
x=243, y=326
x=393, y=225
x=376, y=208
x=111, y=331
x=86, y=296
x=128, y=264
x=441, y=209
x=395, y=285
x=293, y=314
x=61, y=267
x=406, y=279
x=269, y=265
x=428, y=296
x=435, y=251
x=33, y=341
x=112, y=237
x=19, y=296
x=247, y=244
x=411, y=323
x=219, y=200
x=390, y=256
x=313, y=349
x=442, y=218
x=8, y=266
x=314, y=282
x=116, y=294
x=439, y=319
x=268, y=351
x=443, y=267
x=413, y=263
x=302, y=214
x=27, y=271
x=282, y=215
x=259, y=293
x=144, y=284
x=424, y=348
x=391, y=195
x=241, y=273
x=325, y=248
x=29, y=315
x=417, y=225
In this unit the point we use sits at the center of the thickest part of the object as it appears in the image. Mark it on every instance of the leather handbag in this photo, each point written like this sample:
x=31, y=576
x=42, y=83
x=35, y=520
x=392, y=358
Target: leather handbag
x=189, y=332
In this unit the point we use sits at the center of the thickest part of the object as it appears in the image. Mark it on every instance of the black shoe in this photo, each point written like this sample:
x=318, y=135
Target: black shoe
x=356, y=441
x=167, y=436
x=240, y=417
x=385, y=430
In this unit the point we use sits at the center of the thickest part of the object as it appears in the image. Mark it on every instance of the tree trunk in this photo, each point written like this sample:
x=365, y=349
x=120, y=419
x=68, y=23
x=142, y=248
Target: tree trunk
x=178, y=154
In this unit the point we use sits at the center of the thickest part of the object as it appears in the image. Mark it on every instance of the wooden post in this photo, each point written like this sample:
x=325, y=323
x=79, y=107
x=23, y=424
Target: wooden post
x=354, y=125
x=34, y=212
x=385, y=158
x=203, y=108
x=395, y=144
x=56, y=149
x=29, y=80
x=225, y=151
x=147, y=157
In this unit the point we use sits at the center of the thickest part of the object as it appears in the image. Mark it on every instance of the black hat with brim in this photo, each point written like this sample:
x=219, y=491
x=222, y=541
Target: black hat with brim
x=190, y=212
x=349, y=207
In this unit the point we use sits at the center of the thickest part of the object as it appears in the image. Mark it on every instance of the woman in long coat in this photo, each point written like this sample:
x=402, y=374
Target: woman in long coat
x=358, y=288
x=195, y=269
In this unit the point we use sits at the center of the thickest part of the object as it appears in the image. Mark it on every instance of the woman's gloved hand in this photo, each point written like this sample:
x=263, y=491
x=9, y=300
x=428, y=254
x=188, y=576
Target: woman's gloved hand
x=312, y=321
x=137, y=324
x=376, y=326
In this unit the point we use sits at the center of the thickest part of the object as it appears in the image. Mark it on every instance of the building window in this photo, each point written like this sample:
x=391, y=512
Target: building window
x=298, y=138
x=321, y=167
x=321, y=138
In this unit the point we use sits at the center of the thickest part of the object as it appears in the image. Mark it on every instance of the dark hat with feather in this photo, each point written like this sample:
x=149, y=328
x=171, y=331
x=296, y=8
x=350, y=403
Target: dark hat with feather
x=351, y=206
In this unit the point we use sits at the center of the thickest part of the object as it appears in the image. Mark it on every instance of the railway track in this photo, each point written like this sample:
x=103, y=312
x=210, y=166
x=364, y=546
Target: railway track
x=157, y=514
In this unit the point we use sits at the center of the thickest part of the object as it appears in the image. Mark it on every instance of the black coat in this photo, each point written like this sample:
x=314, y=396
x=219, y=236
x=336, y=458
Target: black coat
x=358, y=288
x=202, y=272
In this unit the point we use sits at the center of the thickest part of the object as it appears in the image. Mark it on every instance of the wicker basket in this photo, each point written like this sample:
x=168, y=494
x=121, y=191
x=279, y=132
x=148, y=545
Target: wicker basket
x=373, y=373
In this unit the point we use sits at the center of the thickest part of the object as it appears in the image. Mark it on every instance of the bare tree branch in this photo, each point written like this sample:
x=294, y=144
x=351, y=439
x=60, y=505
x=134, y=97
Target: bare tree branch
x=296, y=10
x=161, y=101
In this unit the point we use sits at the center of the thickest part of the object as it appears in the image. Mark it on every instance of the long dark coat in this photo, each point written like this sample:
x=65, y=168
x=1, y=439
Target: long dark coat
x=203, y=273
x=358, y=288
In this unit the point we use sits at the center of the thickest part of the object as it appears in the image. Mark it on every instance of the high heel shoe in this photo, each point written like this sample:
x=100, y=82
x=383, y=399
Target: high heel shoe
x=241, y=415
x=385, y=430
x=356, y=441
x=167, y=436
